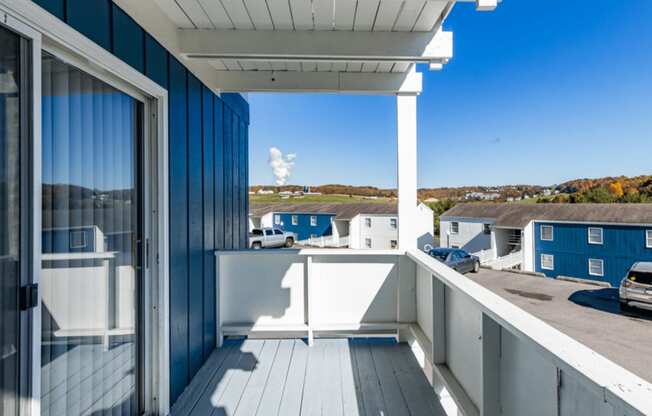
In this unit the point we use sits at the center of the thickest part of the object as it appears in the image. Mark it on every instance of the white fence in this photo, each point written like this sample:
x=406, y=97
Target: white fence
x=490, y=356
x=485, y=256
x=325, y=241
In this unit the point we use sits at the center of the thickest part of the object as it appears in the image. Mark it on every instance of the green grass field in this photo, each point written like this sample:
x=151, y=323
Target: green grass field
x=315, y=199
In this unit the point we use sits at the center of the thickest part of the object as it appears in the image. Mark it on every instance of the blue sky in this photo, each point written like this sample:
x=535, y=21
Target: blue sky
x=536, y=93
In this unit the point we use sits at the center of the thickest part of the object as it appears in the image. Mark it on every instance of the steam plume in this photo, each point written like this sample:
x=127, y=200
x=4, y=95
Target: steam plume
x=281, y=165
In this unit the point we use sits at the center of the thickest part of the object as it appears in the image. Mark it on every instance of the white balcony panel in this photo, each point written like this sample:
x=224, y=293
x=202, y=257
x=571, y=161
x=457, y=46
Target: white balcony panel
x=262, y=289
x=358, y=290
x=464, y=343
x=424, y=301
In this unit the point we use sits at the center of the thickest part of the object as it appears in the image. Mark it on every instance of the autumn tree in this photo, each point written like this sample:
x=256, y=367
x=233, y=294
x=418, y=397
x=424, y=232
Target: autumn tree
x=616, y=189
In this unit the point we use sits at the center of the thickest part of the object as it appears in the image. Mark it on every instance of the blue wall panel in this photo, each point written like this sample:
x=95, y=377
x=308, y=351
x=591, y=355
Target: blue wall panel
x=156, y=61
x=92, y=18
x=56, y=7
x=303, y=228
x=218, y=121
x=228, y=178
x=622, y=247
x=208, y=166
x=208, y=175
x=178, y=167
x=128, y=39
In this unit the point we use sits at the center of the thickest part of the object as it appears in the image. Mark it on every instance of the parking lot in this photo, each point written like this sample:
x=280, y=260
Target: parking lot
x=588, y=313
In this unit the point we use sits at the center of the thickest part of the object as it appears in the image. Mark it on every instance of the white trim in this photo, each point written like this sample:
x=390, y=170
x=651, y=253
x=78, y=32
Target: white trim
x=598, y=223
x=81, y=52
x=601, y=242
x=552, y=232
x=550, y=257
x=313, y=220
x=451, y=227
x=648, y=238
x=294, y=219
x=601, y=263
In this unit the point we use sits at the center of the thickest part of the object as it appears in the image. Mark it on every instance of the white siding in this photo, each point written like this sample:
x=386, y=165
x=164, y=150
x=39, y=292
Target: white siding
x=425, y=226
x=471, y=236
x=267, y=220
x=527, y=244
x=381, y=232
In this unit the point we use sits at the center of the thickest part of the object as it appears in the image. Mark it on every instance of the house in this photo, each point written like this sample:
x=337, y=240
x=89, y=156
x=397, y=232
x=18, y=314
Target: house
x=356, y=225
x=130, y=119
x=587, y=241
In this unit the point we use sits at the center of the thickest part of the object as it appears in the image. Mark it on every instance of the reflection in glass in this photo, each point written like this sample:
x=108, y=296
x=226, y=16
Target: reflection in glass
x=9, y=219
x=89, y=277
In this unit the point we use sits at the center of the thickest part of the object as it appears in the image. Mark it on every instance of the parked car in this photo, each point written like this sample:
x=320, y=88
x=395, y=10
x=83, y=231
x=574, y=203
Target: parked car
x=456, y=259
x=271, y=238
x=636, y=288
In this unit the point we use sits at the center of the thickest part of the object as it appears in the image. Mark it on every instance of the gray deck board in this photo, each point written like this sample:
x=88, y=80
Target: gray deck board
x=271, y=399
x=333, y=377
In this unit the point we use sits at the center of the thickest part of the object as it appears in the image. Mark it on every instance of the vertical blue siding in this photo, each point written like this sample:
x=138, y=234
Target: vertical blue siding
x=92, y=18
x=303, y=229
x=156, y=62
x=622, y=247
x=178, y=166
x=195, y=225
x=208, y=174
x=218, y=119
x=208, y=167
x=128, y=39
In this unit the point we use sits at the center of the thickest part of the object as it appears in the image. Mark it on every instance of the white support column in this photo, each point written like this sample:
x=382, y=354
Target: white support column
x=406, y=111
x=308, y=291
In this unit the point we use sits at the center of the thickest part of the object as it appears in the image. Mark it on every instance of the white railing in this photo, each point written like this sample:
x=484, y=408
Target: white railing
x=485, y=354
x=494, y=358
x=485, y=256
x=325, y=241
x=506, y=262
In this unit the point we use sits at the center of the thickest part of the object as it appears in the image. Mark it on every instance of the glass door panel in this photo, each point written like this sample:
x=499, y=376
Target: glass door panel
x=10, y=214
x=90, y=274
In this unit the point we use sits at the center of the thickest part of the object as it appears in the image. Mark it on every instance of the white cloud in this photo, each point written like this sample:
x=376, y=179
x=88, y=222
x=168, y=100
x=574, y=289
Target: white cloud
x=281, y=165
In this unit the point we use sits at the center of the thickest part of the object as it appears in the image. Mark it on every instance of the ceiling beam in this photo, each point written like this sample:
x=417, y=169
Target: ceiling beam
x=317, y=45
x=409, y=82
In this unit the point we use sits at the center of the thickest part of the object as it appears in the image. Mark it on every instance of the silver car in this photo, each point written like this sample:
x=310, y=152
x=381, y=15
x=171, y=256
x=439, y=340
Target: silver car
x=636, y=288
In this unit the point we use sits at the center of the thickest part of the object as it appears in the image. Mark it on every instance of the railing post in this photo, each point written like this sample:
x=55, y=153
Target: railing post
x=218, y=318
x=490, y=405
x=438, y=322
x=308, y=292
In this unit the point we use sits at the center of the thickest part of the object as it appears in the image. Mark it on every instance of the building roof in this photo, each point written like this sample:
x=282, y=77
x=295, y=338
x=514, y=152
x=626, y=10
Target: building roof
x=341, y=211
x=519, y=215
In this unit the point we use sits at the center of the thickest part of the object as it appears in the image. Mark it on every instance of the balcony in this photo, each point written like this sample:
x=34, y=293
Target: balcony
x=389, y=332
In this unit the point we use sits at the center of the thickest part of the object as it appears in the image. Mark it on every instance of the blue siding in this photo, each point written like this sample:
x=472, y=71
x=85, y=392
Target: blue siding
x=128, y=39
x=156, y=62
x=623, y=246
x=208, y=173
x=56, y=7
x=92, y=18
x=208, y=168
x=195, y=225
x=178, y=167
x=303, y=228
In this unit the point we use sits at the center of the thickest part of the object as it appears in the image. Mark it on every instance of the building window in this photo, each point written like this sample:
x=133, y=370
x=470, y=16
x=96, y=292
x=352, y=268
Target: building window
x=547, y=233
x=313, y=220
x=547, y=262
x=486, y=228
x=295, y=220
x=277, y=219
x=648, y=239
x=367, y=242
x=393, y=243
x=455, y=227
x=393, y=222
x=77, y=239
x=455, y=246
x=367, y=222
x=595, y=235
x=596, y=267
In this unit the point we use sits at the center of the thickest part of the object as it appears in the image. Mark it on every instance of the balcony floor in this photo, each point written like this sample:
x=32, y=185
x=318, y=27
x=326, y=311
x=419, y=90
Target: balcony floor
x=286, y=377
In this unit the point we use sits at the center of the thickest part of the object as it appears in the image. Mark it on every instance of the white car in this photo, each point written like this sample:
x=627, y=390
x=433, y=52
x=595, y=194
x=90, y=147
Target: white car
x=271, y=238
x=636, y=288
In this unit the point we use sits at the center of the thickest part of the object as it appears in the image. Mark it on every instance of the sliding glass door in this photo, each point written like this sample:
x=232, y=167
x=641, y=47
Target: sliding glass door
x=91, y=218
x=11, y=252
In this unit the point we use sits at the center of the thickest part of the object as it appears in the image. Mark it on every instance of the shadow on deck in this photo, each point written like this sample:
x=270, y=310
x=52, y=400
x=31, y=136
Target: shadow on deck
x=287, y=377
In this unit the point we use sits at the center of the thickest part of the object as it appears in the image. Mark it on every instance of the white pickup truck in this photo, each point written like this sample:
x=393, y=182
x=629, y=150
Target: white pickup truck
x=270, y=238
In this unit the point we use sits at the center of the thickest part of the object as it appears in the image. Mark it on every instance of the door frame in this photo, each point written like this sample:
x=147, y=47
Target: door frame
x=49, y=33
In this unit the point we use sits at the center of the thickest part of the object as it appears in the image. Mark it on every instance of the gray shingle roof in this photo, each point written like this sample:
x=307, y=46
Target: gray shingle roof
x=519, y=215
x=341, y=211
